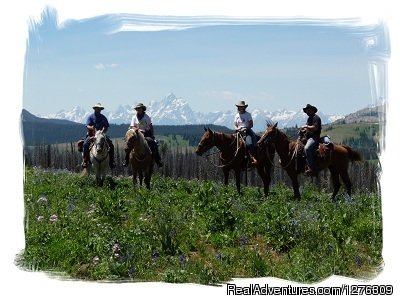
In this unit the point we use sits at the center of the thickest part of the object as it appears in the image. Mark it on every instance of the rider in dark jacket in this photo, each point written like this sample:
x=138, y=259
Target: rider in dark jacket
x=312, y=131
x=96, y=121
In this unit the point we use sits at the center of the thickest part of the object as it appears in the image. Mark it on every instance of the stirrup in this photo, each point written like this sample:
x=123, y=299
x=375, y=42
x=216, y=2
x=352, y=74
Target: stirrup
x=310, y=172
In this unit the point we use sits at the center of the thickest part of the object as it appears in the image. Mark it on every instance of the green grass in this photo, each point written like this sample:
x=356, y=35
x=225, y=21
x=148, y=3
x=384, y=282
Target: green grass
x=200, y=232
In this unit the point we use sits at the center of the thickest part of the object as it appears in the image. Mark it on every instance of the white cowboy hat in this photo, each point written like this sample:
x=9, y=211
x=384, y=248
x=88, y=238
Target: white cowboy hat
x=98, y=105
x=242, y=104
x=140, y=105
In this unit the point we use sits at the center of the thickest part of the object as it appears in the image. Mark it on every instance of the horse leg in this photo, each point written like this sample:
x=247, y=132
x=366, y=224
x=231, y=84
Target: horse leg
x=346, y=180
x=295, y=184
x=237, y=179
x=335, y=181
x=226, y=176
x=147, y=182
x=265, y=177
x=147, y=179
x=134, y=176
x=140, y=177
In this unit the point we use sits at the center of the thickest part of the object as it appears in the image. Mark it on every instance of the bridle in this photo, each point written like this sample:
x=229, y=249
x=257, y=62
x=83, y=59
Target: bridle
x=103, y=141
x=211, y=143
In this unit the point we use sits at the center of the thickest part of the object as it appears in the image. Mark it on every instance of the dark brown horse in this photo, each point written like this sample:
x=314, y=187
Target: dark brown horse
x=336, y=159
x=140, y=158
x=232, y=156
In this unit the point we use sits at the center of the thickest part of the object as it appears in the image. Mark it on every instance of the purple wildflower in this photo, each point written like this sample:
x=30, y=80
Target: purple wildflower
x=183, y=260
x=155, y=255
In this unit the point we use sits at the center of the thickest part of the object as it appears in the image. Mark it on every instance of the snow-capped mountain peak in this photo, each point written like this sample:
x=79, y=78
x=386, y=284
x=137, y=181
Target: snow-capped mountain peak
x=172, y=110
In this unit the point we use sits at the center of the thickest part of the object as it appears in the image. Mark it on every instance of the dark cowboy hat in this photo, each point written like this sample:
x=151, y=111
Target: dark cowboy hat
x=242, y=104
x=98, y=105
x=311, y=107
x=140, y=105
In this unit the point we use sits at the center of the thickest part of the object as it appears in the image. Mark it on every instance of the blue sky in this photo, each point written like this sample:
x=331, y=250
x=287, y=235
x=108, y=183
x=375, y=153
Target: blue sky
x=211, y=63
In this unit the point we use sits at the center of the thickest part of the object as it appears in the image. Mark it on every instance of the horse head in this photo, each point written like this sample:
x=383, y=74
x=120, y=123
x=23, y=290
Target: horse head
x=270, y=134
x=130, y=136
x=206, y=142
x=99, y=141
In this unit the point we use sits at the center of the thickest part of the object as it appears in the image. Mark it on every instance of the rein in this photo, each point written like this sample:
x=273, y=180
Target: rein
x=294, y=154
x=234, y=156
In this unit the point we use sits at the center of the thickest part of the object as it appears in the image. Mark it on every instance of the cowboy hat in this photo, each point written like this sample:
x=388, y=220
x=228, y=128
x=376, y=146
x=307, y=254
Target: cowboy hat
x=140, y=105
x=313, y=108
x=98, y=105
x=242, y=104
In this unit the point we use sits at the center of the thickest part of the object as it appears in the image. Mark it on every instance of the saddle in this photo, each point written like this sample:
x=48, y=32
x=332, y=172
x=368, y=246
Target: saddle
x=80, y=144
x=325, y=148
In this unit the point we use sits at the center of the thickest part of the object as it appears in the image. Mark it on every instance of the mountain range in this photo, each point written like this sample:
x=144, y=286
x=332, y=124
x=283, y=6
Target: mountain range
x=177, y=111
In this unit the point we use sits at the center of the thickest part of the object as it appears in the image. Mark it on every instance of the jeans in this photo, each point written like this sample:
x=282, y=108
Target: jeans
x=310, y=148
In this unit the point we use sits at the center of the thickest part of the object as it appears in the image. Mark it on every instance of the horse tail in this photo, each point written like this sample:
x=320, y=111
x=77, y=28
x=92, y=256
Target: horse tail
x=353, y=155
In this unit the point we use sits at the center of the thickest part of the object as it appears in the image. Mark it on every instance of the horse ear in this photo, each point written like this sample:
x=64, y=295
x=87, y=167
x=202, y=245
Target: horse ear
x=209, y=130
x=276, y=124
x=205, y=129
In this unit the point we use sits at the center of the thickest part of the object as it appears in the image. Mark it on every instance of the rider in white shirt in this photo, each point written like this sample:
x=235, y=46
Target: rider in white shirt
x=143, y=121
x=244, y=123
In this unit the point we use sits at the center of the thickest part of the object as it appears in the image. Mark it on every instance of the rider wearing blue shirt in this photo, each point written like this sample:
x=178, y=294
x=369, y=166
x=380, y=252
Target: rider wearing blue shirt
x=97, y=121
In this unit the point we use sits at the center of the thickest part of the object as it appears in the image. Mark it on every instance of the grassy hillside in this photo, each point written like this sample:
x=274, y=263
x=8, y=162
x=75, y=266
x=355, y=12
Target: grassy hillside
x=341, y=132
x=199, y=232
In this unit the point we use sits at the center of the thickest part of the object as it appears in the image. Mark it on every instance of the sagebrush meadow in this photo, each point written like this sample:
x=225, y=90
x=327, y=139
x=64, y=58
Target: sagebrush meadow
x=196, y=231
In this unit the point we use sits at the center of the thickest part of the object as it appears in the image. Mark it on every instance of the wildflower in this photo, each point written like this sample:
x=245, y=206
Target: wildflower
x=132, y=272
x=243, y=240
x=116, y=248
x=43, y=200
x=358, y=261
x=155, y=255
x=183, y=260
x=71, y=205
x=96, y=260
x=53, y=218
x=40, y=218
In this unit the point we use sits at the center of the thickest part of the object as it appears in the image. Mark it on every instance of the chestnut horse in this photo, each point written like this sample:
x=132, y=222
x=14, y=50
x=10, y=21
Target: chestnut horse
x=141, y=160
x=336, y=160
x=232, y=156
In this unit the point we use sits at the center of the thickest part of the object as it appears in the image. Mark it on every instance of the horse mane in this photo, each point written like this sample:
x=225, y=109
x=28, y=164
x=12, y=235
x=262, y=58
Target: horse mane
x=135, y=133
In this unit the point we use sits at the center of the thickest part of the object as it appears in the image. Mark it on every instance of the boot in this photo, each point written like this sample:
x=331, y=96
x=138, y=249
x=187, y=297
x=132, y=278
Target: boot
x=85, y=161
x=310, y=172
x=252, y=156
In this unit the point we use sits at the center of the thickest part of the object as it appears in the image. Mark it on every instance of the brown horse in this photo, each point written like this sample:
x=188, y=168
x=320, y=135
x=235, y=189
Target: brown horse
x=232, y=156
x=140, y=158
x=336, y=159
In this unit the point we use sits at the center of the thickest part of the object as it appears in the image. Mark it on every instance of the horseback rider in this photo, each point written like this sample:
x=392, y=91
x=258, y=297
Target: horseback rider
x=243, y=124
x=96, y=121
x=143, y=121
x=312, y=131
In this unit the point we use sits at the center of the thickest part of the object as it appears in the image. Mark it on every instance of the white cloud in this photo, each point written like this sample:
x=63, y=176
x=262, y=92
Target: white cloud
x=102, y=66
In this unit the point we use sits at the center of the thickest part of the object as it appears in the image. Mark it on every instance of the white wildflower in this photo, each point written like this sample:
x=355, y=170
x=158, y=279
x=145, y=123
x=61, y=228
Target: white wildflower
x=53, y=218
